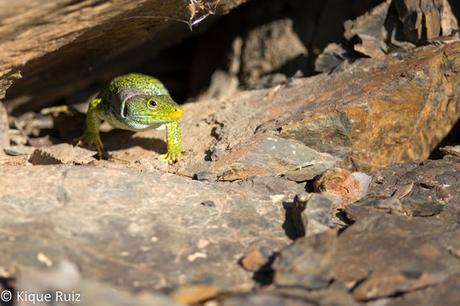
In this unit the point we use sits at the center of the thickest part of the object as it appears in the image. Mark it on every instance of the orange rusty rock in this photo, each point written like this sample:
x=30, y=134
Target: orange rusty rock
x=253, y=260
x=339, y=182
x=348, y=186
x=193, y=294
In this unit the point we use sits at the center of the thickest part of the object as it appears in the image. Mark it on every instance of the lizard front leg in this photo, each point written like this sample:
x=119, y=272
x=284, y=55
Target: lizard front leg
x=174, y=142
x=91, y=134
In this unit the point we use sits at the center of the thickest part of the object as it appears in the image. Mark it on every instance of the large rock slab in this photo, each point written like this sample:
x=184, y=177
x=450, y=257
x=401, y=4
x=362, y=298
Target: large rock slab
x=370, y=115
x=44, y=43
x=133, y=229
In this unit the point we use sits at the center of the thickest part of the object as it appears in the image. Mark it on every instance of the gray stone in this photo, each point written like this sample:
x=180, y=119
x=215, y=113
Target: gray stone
x=312, y=214
x=447, y=294
x=18, y=150
x=268, y=156
x=307, y=262
x=63, y=285
x=427, y=188
x=135, y=229
x=378, y=241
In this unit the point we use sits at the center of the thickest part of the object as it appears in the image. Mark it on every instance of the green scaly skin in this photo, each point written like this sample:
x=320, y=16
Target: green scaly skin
x=135, y=102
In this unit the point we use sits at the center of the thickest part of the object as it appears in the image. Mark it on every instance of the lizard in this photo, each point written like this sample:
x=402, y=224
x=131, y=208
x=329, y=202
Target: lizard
x=135, y=102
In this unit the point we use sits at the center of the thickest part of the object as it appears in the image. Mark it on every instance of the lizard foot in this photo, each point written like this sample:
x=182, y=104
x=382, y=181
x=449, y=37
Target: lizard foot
x=171, y=157
x=88, y=139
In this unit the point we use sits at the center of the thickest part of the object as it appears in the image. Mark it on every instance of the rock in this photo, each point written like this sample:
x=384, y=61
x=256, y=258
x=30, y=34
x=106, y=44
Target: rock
x=63, y=285
x=255, y=259
x=433, y=185
x=271, y=80
x=333, y=56
x=269, y=156
x=194, y=294
x=380, y=241
x=449, y=22
x=222, y=85
x=275, y=188
x=19, y=150
x=307, y=262
x=370, y=29
x=348, y=187
x=335, y=294
x=420, y=20
x=32, y=124
x=369, y=259
x=61, y=154
x=366, y=207
x=265, y=50
x=301, y=113
x=313, y=215
x=452, y=150
x=45, y=141
x=355, y=128
x=388, y=282
x=17, y=138
x=447, y=293
x=421, y=190
x=204, y=176
x=136, y=230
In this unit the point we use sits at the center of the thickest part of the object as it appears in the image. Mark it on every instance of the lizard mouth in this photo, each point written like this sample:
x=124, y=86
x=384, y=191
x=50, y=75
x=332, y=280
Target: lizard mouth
x=173, y=116
x=146, y=119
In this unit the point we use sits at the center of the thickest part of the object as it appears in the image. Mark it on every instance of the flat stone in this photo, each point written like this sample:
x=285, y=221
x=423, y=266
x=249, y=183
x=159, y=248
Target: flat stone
x=339, y=113
x=379, y=241
x=135, y=229
x=193, y=294
x=270, y=156
x=427, y=188
x=312, y=214
x=306, y=263
x=18, y=150
x=388, y=282
x=447, y=293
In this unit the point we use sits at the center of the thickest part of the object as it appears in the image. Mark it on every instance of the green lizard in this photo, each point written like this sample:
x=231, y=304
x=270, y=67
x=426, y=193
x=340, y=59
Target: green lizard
x=135, y=102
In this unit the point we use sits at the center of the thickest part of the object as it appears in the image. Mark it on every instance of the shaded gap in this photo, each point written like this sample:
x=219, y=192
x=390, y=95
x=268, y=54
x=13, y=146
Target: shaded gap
x=451, y=139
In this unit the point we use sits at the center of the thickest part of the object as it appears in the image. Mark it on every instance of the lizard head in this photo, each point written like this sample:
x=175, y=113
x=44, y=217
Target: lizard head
x=146, y=109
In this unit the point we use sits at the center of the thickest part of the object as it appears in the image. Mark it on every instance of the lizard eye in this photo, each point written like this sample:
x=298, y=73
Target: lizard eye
x=152, y=103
